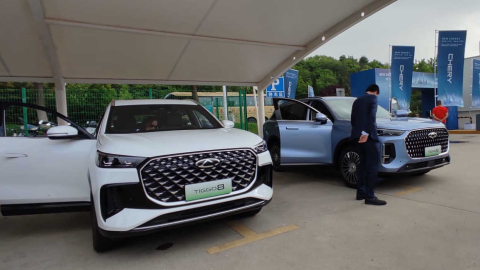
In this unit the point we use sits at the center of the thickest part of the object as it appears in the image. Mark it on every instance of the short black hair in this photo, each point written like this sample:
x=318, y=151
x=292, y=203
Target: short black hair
x=373, y=88
x=439, y=102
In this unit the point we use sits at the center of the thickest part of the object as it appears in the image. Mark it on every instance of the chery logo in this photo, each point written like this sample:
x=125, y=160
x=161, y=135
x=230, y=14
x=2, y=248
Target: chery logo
x=207, y=163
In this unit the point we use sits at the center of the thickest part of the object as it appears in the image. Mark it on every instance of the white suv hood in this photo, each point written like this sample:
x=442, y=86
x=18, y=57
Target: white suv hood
x=159, y=143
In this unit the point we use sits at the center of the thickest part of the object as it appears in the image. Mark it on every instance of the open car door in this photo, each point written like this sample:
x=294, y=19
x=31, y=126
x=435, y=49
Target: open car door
x=305, y=133
x=43, y=166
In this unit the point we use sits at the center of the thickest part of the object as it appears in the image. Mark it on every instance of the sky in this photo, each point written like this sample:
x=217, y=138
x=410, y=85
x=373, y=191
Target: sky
x=408, y=22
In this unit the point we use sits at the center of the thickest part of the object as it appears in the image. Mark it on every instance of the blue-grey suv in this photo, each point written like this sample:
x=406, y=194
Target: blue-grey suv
x=317, y=131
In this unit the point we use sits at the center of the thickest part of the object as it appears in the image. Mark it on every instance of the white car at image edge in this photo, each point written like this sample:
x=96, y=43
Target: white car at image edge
x=150, y=165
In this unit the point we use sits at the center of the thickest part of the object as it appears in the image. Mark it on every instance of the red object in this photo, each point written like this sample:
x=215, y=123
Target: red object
x=440, y=112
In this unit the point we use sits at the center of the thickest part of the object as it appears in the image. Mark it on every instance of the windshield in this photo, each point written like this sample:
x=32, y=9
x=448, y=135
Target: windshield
x=343, y=108
x=151, y=118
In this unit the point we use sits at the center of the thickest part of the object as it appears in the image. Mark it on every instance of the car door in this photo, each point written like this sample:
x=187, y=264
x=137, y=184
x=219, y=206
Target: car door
x=302, y=139
x=36, y=169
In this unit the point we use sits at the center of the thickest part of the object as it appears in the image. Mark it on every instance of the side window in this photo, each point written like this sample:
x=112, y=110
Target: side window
x=268, y=101
x=293, y=111
x=204, y=122
x=323, y=109
x=250, y=101
x=27, y=122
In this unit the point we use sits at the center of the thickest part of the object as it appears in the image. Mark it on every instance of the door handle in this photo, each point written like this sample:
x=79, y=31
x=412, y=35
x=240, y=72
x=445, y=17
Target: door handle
x=292, y=128
x=15, y=155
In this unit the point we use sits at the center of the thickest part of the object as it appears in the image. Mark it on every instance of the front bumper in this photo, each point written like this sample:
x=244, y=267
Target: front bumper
x=135, y=214
x=401, y=162
x=191, y=216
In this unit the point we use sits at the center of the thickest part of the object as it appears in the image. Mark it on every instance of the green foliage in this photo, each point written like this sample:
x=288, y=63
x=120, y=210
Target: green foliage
x=325, y=73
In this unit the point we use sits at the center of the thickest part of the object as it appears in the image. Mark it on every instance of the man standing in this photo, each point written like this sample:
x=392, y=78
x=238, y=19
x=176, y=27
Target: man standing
x=440, y=113
x=364, y=133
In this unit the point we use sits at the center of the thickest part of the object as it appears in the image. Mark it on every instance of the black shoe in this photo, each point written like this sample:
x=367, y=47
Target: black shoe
x=360, y=196
x=375, y=201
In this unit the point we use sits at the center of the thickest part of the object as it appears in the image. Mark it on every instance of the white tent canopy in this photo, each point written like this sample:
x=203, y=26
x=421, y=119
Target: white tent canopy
x=197, y=42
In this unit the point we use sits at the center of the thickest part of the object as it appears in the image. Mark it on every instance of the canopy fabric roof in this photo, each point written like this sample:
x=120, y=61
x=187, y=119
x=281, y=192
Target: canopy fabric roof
x=202, y=42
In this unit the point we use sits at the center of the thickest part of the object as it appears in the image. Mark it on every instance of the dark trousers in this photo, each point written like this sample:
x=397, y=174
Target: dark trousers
x=367, y=173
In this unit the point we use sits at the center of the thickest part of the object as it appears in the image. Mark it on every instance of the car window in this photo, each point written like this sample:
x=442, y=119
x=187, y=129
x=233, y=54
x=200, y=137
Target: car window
x=323, y=109
x=22, y=121
x=148, y=118
x=293, y=111
x=342, y=107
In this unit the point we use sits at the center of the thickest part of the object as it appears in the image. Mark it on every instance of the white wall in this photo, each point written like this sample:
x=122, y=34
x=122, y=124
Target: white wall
x=467, y=94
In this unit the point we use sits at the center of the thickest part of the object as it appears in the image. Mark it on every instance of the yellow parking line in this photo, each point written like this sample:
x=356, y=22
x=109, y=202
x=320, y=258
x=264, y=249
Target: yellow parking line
x=249, y=236
x=407, y=191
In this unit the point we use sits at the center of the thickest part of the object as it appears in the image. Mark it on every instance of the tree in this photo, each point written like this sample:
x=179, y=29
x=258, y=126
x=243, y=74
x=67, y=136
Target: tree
x=363, y=62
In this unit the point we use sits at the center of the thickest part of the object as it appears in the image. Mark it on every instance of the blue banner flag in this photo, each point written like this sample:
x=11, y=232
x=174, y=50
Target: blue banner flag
x=476, y=84
x=291, y=79
x=402, y=71
x=310, y=91
x=451, y=53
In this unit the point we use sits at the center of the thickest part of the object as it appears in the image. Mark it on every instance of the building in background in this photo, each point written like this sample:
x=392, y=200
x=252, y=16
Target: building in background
x=464, y=113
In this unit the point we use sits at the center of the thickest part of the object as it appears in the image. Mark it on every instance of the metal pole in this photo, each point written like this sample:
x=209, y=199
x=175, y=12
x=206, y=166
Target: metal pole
x=245, y=111
x=225, y=106
x=255, y=92
x=61, y=101
x=390, y=79
x=150, y=93
x=261, y=112
x=216, y=108
x=25, y=115
x=435, y=72
x=240, y=110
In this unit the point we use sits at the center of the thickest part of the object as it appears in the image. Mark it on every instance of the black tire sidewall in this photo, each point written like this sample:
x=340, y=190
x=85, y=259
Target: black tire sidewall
x=275, y=148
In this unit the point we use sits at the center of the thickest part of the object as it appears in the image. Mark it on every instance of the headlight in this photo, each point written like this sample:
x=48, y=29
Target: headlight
x=390, y=132
x=112, y=161
x=260, y=148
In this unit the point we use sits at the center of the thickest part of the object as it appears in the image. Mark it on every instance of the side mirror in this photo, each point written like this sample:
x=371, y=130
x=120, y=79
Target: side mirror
x=62, y=132
x=322, y=118
x=401, y=113
x=228, y=124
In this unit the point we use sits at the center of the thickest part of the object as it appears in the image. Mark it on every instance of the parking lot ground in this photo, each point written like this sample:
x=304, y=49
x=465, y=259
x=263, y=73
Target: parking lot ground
x=430, y=222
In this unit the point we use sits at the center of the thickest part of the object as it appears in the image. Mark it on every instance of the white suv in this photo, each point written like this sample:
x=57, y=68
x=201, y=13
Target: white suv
x=151, y=164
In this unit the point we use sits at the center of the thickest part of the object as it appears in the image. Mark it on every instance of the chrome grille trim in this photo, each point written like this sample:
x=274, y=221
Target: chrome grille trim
x=417, y=140
x=181, y=201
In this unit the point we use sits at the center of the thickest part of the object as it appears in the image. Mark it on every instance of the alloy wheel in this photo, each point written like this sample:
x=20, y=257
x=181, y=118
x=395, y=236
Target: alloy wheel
x=349, y=166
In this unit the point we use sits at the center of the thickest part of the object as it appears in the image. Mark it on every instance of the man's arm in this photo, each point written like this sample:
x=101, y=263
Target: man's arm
x=372, y=115
x=436, y=118
x=446, y=116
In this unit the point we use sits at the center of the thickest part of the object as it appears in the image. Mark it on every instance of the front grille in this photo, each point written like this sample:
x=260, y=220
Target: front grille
x=164, y=178
x=417, y=140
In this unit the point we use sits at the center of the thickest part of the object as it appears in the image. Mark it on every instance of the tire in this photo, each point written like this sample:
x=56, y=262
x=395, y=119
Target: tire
x=252, y=120
x=276, y=156
x=250, y=213
x=348, y=162
x=100, y=242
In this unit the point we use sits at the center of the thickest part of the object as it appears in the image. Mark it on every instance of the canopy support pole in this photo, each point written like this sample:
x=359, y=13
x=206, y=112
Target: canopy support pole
x=225, y=105
x=46, y=38
x=261, y=112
